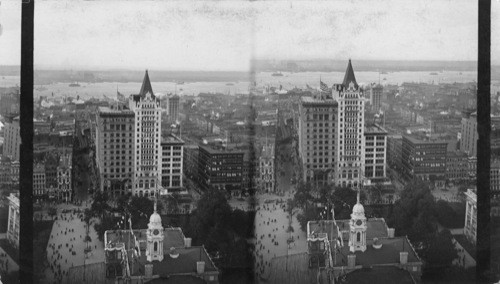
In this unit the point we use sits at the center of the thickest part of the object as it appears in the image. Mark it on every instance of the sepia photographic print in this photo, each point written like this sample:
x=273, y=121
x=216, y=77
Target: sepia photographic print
x=251, y=142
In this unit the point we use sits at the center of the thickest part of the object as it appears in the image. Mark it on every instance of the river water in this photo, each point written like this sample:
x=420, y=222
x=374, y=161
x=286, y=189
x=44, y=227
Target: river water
x=287, y=81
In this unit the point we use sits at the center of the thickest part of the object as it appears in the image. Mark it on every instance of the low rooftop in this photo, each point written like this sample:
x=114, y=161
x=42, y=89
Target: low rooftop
x=313, y=101
x=387, y=254
x=379, y=274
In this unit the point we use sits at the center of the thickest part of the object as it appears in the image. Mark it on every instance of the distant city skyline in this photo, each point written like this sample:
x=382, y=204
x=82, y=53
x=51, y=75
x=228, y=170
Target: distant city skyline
x=226, y=35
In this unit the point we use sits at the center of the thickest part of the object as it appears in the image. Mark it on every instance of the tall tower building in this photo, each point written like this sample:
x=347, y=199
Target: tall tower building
x=147, y=152
x=350, y=130
x=331, y=134
x=468, y=132
x=173, y=108
x=115, y=149
x=12, y=141
x=375, y=97
x=317, y=139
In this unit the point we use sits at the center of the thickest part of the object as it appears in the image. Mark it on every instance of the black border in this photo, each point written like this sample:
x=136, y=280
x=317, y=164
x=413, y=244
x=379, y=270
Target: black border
x=26, y=155
x=483, y=271
x=483, y=256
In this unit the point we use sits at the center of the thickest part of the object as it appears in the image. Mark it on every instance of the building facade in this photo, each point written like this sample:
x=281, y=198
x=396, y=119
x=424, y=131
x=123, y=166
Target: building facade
x=266, y=169
x=376, y=97
x=350, y=126
x=12, y=139
x=115, y=146
x=317, y=139
x=190, y=161
x=39, y=189
x=147, y=152
x=172, y=155
x=394, y=151
x=457, y=166
x=470, y=228
x=173, y=108
x=495, y=178
x=375, y=153
x=331, y=134
x=468, y=132
x=220, y=169
x=13, y=222
x=423, y=158
x=64, y=180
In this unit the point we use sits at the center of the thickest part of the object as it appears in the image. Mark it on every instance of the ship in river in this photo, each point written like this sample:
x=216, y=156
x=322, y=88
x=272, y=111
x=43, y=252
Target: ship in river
x=74, y=84
x=277, y=74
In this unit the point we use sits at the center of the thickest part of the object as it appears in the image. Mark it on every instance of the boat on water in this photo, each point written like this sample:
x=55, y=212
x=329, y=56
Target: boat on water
x=276, y=74
x=179, y=82
x=230, y=84
x=74, y=85
x=433, y=73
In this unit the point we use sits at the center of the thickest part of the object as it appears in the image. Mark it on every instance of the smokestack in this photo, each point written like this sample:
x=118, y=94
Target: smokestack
x=403, y=257
x=200, y=267
x=390, y=233
x=187, y=242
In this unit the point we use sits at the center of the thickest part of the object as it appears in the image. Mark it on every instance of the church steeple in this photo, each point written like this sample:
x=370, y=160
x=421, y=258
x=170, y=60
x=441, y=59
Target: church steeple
x=146, y=86
x=349, y=76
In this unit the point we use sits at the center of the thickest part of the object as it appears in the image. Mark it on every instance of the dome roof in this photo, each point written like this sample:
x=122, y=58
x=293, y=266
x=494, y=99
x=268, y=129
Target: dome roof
x=155, y=218
x=358, y=209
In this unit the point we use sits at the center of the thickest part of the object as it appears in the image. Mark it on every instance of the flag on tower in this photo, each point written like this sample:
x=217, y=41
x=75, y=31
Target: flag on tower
x=120, y=97
x=323, y=86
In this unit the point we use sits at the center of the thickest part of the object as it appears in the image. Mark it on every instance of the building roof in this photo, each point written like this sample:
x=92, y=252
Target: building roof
x=349, y=76
x=104, y=111
x=146, y=86
x=173, y=237
x=375, y=129
x=380, y=274
x=94, y=273
x=175, y=279
x=423, y=140
x=313, y=101
x=293, y=269
x=213, y=150
x=387, y=254
x=171, y=139
x=375, y=228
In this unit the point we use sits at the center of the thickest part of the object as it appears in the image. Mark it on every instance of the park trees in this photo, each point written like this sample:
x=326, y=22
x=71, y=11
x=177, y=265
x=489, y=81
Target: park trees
x=221, y=230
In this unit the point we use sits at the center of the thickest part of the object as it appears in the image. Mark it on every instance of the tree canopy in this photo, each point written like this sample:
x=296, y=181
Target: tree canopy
x=221, y=230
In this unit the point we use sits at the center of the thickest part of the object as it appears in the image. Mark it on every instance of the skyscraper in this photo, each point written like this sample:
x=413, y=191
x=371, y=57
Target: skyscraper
x=173, y=109
x=147, y=152
x=12, y=141
x=331, y=134
x=350, y=130
x=114, y=149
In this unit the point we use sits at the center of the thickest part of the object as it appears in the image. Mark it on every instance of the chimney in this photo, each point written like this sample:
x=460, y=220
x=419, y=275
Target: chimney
x=403, y=257
x=200, y=267
x=148, y=270
x=187, y=242
x=390, y=233
x=351, y=261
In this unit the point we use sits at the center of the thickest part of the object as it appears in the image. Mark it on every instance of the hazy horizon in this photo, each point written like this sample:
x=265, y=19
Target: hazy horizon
x=225, y=35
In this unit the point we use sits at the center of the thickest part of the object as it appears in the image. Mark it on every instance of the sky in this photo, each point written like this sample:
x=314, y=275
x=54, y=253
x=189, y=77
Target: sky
x=225, y=35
